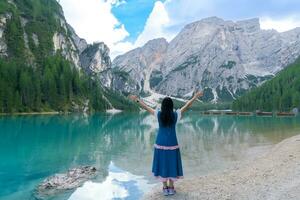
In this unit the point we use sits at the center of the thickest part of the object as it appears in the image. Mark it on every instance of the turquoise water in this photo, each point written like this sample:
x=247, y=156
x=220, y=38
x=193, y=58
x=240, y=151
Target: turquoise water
x=120, y=146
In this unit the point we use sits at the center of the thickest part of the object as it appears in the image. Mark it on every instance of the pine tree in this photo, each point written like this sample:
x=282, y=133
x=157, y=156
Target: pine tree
x=282, y=93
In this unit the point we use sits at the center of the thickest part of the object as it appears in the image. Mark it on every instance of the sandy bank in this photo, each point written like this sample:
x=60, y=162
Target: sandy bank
x=274, y=175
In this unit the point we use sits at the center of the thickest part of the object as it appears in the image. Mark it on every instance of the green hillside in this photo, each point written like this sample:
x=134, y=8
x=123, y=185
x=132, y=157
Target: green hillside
x=282, y=93
x=32, y=77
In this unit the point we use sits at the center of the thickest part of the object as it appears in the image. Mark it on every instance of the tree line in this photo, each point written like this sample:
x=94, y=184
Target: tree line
x=57, y=86
x=281, y=93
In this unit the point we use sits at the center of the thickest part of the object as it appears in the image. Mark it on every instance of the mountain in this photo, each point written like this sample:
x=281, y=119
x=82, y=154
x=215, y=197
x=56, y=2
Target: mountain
x=45, y=66
x=282, y=93
x=225, y=57
x=134, y=71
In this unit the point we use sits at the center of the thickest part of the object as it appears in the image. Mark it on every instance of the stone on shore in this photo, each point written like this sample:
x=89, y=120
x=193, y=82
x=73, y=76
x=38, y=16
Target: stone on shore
x=59, y=183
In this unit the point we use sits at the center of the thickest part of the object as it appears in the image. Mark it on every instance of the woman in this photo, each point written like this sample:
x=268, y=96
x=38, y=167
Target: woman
x=167, y=161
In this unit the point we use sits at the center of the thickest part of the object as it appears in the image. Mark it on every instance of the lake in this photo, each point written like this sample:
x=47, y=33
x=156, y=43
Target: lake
x=120, y=146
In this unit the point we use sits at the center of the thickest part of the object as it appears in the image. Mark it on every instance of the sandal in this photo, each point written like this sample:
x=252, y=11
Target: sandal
x=165, y=191
x=171, y=191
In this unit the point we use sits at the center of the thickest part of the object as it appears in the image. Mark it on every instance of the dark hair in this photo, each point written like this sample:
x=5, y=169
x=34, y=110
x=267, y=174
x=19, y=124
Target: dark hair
x=167, y=115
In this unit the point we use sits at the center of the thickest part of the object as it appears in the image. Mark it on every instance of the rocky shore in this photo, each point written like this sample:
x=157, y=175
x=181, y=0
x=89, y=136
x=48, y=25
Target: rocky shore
x=59, y=183
x=272, y=176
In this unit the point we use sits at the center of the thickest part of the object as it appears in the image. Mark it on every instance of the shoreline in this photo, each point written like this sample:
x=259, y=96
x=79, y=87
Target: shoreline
x=114, y=111
x=273, y=175
x=32, y=113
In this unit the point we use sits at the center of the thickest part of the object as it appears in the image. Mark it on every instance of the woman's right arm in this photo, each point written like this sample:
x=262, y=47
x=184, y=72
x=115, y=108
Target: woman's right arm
x=191, y=101
x=142, y=104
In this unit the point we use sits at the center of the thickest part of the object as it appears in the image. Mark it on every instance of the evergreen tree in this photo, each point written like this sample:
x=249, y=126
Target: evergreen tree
x=31, y=77
x=282, y=93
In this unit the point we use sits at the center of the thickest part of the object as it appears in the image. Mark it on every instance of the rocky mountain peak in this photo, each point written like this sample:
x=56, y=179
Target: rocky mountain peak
x=250, y=25
x=156, y=43
x=227, y=57
x=143, y=56
x=211, y=20
x=95, y=58
x=80, y=43
x=206, y=21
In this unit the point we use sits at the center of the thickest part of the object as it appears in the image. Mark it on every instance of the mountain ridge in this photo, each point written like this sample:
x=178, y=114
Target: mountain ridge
x=227, y=57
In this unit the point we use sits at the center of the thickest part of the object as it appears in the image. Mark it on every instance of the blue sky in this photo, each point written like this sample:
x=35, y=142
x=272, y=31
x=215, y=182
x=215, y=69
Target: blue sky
x=133, y=14
x=127, y=24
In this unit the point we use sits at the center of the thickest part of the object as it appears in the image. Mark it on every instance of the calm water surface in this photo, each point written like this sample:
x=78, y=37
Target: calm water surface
x=120, y=146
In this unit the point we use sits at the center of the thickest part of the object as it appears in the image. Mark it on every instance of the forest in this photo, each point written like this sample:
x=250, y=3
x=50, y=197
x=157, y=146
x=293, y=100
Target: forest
x=34, y=78
x=57, y=86
x=281, y=93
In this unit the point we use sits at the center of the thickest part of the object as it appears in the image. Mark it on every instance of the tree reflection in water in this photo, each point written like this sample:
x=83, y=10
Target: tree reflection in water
x=35, y=147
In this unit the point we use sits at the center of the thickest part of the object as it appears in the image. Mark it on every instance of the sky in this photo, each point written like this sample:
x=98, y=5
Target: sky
x=127, y=24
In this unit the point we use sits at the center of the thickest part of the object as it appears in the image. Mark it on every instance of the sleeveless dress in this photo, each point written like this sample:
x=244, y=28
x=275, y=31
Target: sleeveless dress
x=167, y=160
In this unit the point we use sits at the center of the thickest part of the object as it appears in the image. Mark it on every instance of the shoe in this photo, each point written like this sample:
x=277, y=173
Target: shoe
x=165, y=191
x=171, y=191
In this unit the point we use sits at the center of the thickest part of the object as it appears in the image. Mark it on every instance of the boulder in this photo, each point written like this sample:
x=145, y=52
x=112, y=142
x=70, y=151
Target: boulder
x=59, y=183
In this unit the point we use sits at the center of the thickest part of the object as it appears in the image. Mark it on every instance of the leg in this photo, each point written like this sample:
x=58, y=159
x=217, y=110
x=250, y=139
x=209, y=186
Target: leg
x=171, y=187
x=165, y=188
x=165, y=184
x=171, y=183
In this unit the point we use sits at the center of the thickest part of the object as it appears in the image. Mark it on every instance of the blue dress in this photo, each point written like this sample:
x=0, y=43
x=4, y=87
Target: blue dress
x=167, y=160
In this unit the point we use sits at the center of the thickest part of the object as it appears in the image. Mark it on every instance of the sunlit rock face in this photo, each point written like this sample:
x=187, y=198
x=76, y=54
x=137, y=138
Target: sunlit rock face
x=133, y=70
x=227, y=57
x=3, y=46
x=95, y=58
x=92, y=58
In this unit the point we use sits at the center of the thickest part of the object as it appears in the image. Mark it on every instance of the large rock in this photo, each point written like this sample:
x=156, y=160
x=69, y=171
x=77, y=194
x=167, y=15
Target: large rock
x=227, y=57
x=95, y=58
x=67, y=181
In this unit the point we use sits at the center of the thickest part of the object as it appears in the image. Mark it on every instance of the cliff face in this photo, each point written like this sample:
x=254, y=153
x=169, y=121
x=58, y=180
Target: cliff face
x=3, y=21
x=132, y=71
x=95, y=58
x=227, y=57
x=45, y=65
x=59, y=38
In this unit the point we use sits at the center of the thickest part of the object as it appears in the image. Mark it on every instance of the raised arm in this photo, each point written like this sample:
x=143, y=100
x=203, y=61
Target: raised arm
x=191, y=101
x=141, y=103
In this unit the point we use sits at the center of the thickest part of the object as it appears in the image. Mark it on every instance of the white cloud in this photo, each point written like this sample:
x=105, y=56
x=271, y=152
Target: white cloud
x=94, y=21
x=280, y=25
x=168, y=18
x=156, y=25
x=116, y=2
x=121, y=48
x=115, y=186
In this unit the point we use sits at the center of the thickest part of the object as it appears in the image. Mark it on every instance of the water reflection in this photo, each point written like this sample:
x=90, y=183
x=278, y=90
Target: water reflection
x=212, y=143
x=35, y=147
x=119, y=184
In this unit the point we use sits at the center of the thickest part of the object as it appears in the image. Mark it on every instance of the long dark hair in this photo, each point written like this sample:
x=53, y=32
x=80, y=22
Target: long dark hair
x=167, y=115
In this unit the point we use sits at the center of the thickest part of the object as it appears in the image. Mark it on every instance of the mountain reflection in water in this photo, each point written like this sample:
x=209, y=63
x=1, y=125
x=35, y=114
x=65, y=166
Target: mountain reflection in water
x=34, y=147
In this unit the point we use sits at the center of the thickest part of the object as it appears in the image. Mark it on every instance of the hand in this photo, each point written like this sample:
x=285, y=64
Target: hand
x=133, y=97
x=198, y=94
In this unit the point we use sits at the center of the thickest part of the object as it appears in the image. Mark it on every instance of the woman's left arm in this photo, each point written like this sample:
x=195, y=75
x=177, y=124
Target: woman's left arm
x=142, y=104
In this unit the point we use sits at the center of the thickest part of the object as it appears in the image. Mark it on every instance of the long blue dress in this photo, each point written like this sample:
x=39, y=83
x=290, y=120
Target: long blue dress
x=167, y=160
